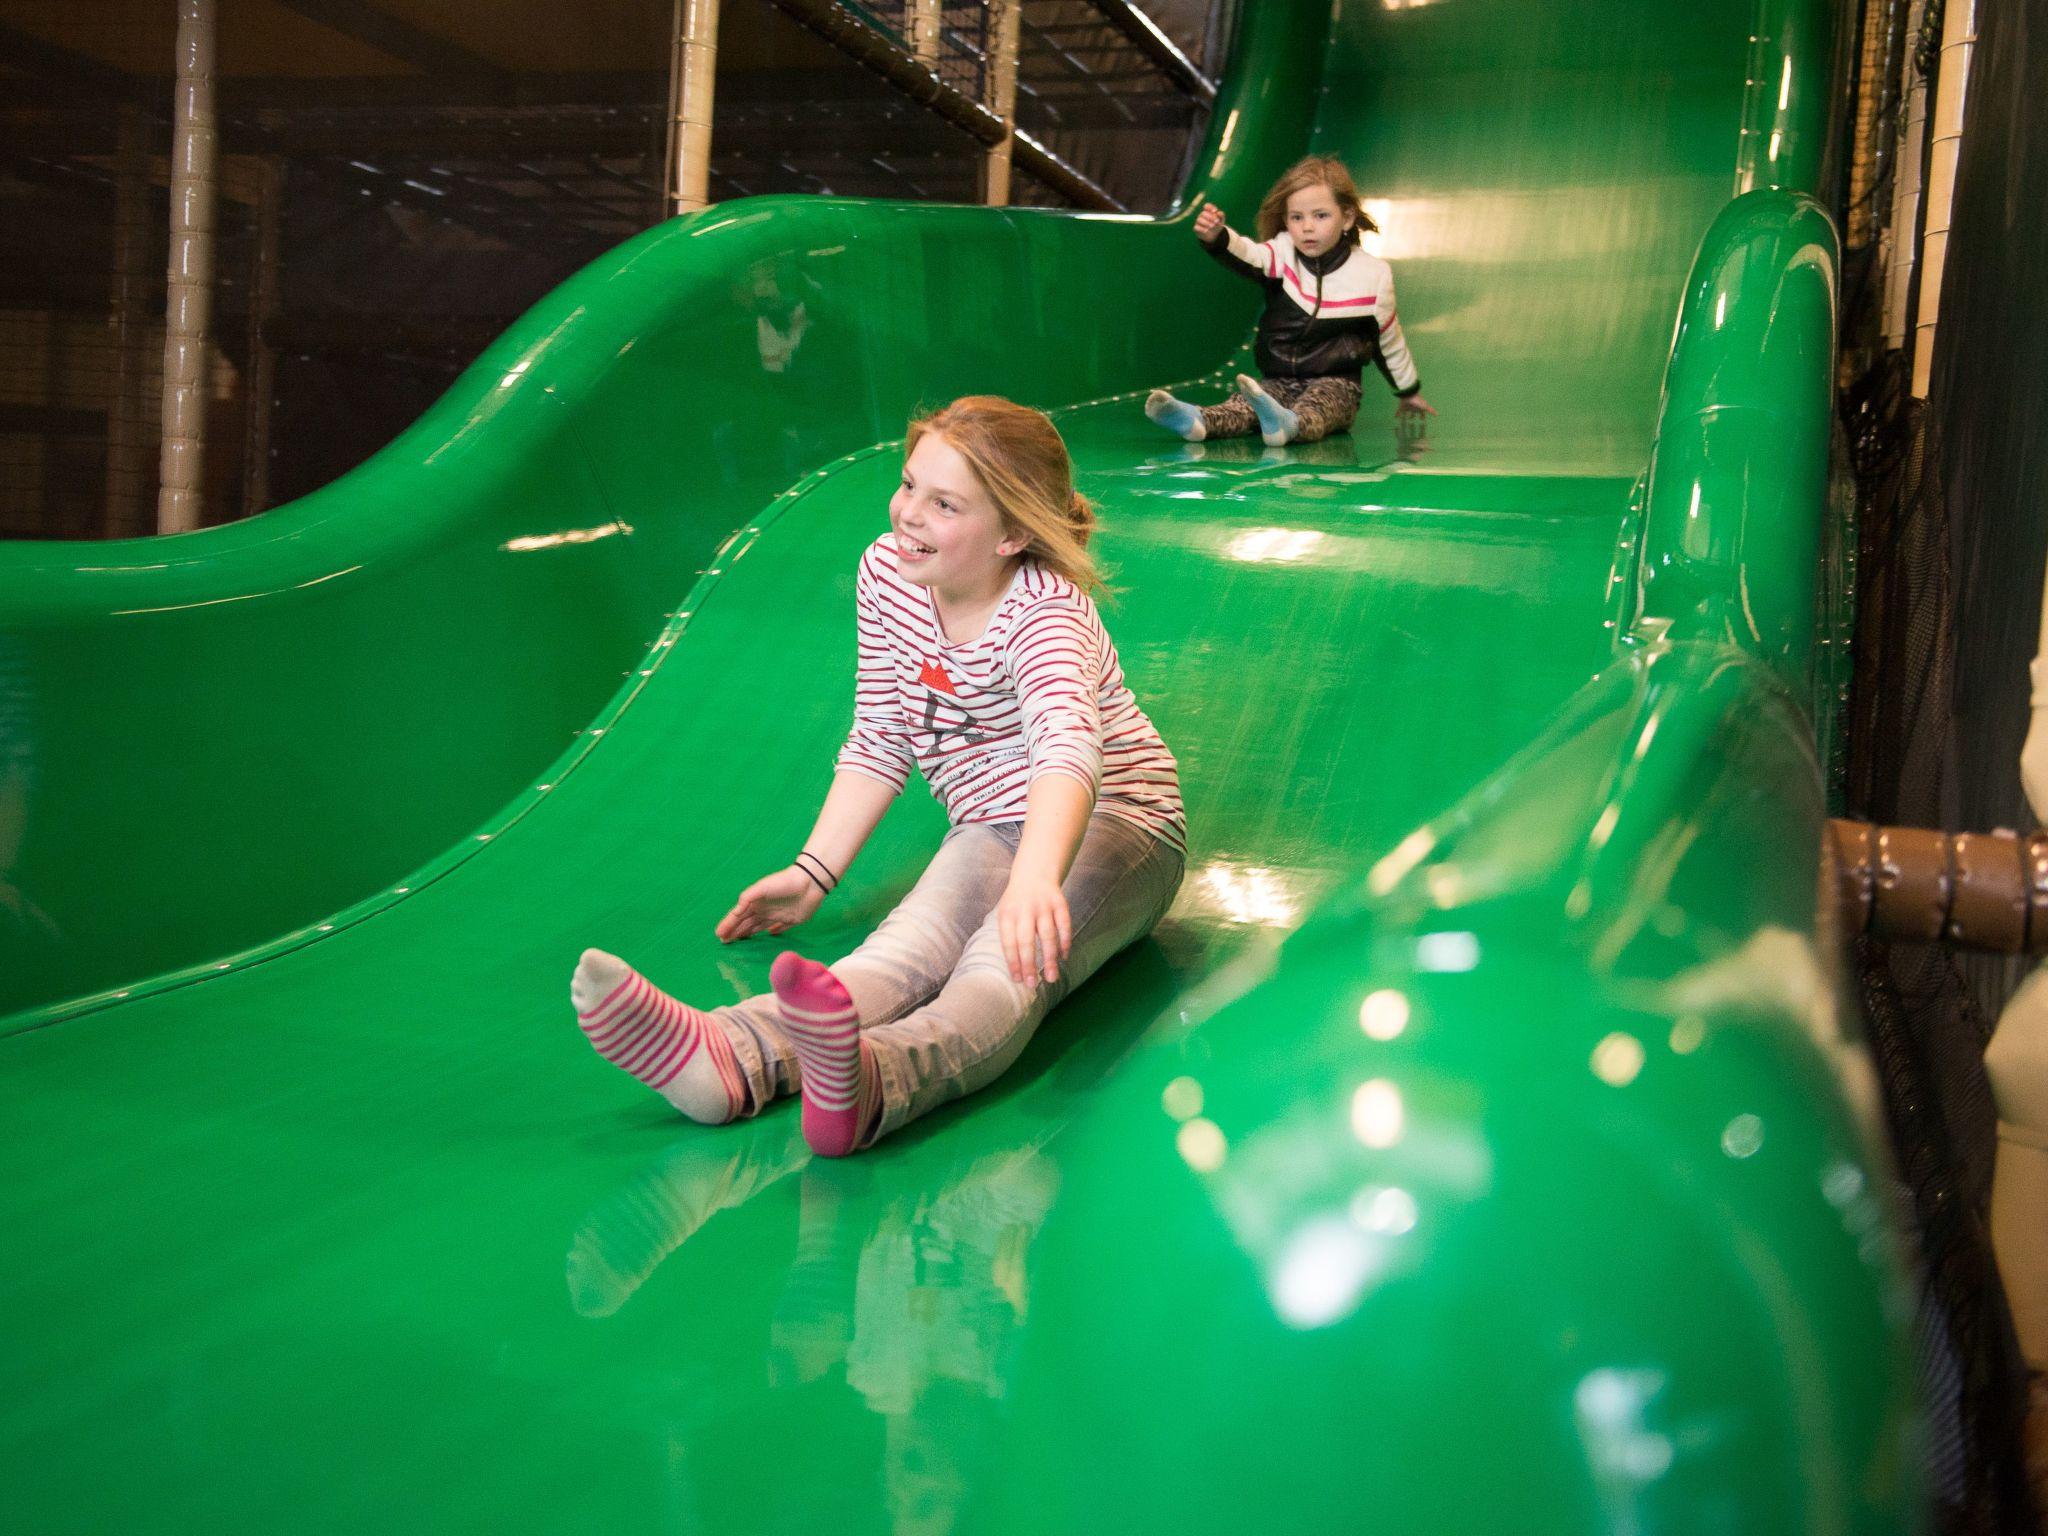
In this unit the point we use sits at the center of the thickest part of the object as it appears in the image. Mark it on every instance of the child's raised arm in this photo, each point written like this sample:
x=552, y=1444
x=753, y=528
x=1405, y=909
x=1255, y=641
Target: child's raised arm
x=1247, y=258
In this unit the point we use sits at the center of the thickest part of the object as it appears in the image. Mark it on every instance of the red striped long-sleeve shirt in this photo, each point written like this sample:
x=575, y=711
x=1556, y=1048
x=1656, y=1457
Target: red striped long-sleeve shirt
x=1039, y=691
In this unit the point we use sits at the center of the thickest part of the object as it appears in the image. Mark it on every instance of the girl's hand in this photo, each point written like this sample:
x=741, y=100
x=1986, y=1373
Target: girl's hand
x=1414, y=406
x=1036, y=930
x=1207, y=222
x=773, y=904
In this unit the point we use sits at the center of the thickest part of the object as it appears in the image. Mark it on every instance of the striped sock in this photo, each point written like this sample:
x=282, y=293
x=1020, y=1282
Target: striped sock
x=640, y=1029
x=840, y=1093
x=1277, y=424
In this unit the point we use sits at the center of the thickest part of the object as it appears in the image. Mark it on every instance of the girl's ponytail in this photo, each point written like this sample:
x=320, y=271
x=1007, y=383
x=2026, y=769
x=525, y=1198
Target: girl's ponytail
x=1081, y=516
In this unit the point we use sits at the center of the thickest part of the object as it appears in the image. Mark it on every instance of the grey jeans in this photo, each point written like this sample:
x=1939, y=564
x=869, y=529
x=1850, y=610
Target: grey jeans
x=938, y=1010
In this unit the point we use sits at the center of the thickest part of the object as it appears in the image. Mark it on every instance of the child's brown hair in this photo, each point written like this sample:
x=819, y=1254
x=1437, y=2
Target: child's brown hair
x=1316, y=171
x=1021, y=461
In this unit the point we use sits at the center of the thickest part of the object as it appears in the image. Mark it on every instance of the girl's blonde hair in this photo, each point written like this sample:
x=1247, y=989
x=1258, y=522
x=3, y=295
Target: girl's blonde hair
x=1019, y=458
x=1315, y=171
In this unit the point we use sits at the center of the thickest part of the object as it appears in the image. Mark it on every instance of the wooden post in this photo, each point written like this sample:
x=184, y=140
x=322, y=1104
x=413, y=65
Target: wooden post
x=693, y=70
x=195, y=190
x=1005, y=26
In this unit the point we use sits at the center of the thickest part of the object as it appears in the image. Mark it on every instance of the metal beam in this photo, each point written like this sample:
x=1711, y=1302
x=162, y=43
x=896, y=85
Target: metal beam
x=846, y=31
x=1158, y=47
x=1078, y=74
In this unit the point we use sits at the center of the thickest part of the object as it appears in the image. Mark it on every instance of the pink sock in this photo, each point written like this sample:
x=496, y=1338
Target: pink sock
x=840, y=1092
x=678, y=1052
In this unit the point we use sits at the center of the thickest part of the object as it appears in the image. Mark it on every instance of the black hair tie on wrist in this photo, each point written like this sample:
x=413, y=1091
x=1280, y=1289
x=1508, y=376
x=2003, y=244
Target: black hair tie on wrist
x=822, y=867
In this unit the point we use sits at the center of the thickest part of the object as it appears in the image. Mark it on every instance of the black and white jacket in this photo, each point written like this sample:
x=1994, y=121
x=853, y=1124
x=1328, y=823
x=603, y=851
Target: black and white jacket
x=1326, y=316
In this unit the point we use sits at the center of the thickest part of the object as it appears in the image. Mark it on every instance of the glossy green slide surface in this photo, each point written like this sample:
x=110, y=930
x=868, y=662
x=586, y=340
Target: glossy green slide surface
x=1481, y=1144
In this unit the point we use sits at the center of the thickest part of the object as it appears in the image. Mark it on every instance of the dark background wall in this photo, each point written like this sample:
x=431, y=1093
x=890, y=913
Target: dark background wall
x=1990, y=398
x=1956, y=534
x=1953, y=544
x=402, y=178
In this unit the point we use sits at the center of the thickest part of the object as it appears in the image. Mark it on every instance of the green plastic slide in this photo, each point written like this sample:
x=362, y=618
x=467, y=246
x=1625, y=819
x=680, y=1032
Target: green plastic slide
x=1483, y=1144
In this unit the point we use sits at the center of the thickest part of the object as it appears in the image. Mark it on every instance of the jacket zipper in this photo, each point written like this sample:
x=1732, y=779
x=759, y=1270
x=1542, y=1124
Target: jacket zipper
x=1313, y=312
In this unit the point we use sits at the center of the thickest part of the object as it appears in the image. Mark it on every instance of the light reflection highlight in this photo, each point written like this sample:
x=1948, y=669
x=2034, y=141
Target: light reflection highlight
x=1387, y=1209
x=1617, y=1059
x=1322, y=1273
x=1229, y=133
x=1603, y=829
x=1183, y=1098
x=1612, y=1408
x=1202, y=1145
x=1743, y=1137
x=1377, y=1114
x=1383, y=1014
x=1405, y=855
x=1261, y=546
x=1251, y=893
x=1574, y=223
x=1453, y=951
x=1842, y=1183
x=239, y=597
x=565, y=537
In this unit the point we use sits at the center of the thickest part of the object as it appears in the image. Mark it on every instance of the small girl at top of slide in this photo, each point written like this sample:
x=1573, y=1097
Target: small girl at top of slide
x=1329, y=310
x=983, y=663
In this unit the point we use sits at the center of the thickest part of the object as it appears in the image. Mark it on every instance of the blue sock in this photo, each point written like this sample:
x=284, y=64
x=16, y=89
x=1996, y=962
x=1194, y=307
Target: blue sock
x=1276, y=423
x=1177, y=416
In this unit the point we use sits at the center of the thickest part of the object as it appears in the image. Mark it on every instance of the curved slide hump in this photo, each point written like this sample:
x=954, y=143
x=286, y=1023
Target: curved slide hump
x=1482, y=1142
x=217, y=739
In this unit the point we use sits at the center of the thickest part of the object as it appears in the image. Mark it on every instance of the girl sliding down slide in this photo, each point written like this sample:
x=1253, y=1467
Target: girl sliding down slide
x=983, y=663
x=1329, y=311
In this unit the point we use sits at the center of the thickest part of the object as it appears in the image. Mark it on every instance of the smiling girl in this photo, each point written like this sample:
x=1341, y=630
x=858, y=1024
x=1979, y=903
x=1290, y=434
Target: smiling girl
x=984, y=664
x=1329, y=311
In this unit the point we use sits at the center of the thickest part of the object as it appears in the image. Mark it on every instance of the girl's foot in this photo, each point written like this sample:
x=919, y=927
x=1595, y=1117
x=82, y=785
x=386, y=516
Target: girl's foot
x=681, y=1054
x=1277, y=424
x=1177, y=416
x=841, y=1096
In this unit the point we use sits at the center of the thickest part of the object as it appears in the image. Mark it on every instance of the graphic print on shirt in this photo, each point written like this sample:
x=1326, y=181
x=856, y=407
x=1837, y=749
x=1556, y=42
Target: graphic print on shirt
x=946, y=719
x=1041, y=691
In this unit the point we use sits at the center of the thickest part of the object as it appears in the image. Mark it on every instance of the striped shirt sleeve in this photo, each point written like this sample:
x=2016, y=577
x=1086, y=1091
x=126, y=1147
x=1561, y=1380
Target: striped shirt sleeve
x=1395, y=362
x=879, y=745
x=1054, y=657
